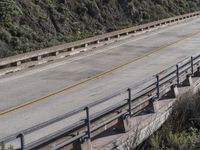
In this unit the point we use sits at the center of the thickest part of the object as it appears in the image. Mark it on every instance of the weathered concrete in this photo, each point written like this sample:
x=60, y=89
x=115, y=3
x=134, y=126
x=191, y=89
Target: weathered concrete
x=83, y=145
x=123, y=124
x=173, y=92
x=59, y=48
x=142, y=126
x=18, y=63
x=188, y=81
x=147, y=54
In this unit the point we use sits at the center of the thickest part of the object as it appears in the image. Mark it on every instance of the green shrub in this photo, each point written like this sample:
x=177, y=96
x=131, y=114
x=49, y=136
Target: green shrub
x=15, y=41
x=124, y=24
x=37, y=23
x=93, y=9
x=8, y=10
x=9, y=148
x=5, y=35
x=182, y=140
x=182, y=129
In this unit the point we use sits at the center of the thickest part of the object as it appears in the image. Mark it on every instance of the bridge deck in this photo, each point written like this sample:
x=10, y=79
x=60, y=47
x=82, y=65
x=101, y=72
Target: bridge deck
x=123, y=63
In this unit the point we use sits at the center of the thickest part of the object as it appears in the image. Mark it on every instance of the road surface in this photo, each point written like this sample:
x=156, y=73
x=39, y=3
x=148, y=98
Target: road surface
x=38, y=94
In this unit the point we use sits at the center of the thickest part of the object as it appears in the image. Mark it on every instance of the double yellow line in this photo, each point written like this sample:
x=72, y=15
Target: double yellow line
x=95, y=76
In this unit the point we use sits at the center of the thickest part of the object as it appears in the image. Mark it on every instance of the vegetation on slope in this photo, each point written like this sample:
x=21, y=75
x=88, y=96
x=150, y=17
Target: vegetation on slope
x=27, y=25
x=182, y=130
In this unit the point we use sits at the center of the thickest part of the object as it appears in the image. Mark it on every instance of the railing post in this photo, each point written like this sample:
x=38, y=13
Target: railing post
x=22, y=142
x=192, y=65
x=88, y=122
x=85, y=142
x=129, y=102
x=158, y=86
x=177, y=74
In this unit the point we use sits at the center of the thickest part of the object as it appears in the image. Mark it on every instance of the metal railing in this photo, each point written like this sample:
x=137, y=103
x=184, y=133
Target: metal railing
x=137, y=95
x=39, y=54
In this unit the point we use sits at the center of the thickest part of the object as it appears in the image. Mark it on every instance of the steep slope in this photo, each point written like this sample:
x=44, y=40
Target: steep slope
x=27, y=25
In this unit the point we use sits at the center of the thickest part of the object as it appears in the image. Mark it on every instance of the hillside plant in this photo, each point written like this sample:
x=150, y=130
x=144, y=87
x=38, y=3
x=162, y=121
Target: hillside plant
x=27, y=25
x=182, y=129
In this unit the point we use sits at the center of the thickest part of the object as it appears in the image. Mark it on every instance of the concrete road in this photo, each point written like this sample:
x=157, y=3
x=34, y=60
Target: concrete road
x=62, y=86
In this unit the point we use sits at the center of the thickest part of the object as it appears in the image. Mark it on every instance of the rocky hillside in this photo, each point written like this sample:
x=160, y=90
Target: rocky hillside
x=27, y=25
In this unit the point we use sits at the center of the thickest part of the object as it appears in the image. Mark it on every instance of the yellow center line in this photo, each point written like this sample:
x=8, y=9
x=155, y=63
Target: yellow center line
x=95, y=76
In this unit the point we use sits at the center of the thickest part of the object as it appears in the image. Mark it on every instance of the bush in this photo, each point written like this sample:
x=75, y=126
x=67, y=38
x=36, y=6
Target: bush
x=182, y=129
x=124, y=24
x=182, y=140
x=93, y=9
x=37, y=21
x=82, y=10
x=5, y=35
x=16, y=42
x=8, y=10
x=9, y=148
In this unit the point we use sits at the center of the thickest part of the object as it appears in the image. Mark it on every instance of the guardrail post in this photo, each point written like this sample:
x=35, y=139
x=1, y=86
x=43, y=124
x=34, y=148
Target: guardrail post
x=55, y=53
x=88, y=122
x=22, y=141
x=71, y=49
x=177, y=74
x=86, y=45
x=108, y=38
x=85, y=142
x=158, y=86
x=192, y=65
x=37, y=58
x=18, y=63
x=129, y=102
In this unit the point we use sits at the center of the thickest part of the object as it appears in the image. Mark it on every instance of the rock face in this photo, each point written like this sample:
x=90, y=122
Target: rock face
x=27, y=25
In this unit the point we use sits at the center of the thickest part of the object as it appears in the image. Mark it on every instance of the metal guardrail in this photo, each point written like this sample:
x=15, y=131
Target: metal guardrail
x=36, y=55
x=153, y=89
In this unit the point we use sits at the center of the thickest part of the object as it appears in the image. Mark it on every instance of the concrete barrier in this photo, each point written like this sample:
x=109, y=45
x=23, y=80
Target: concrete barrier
x=69, y=47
